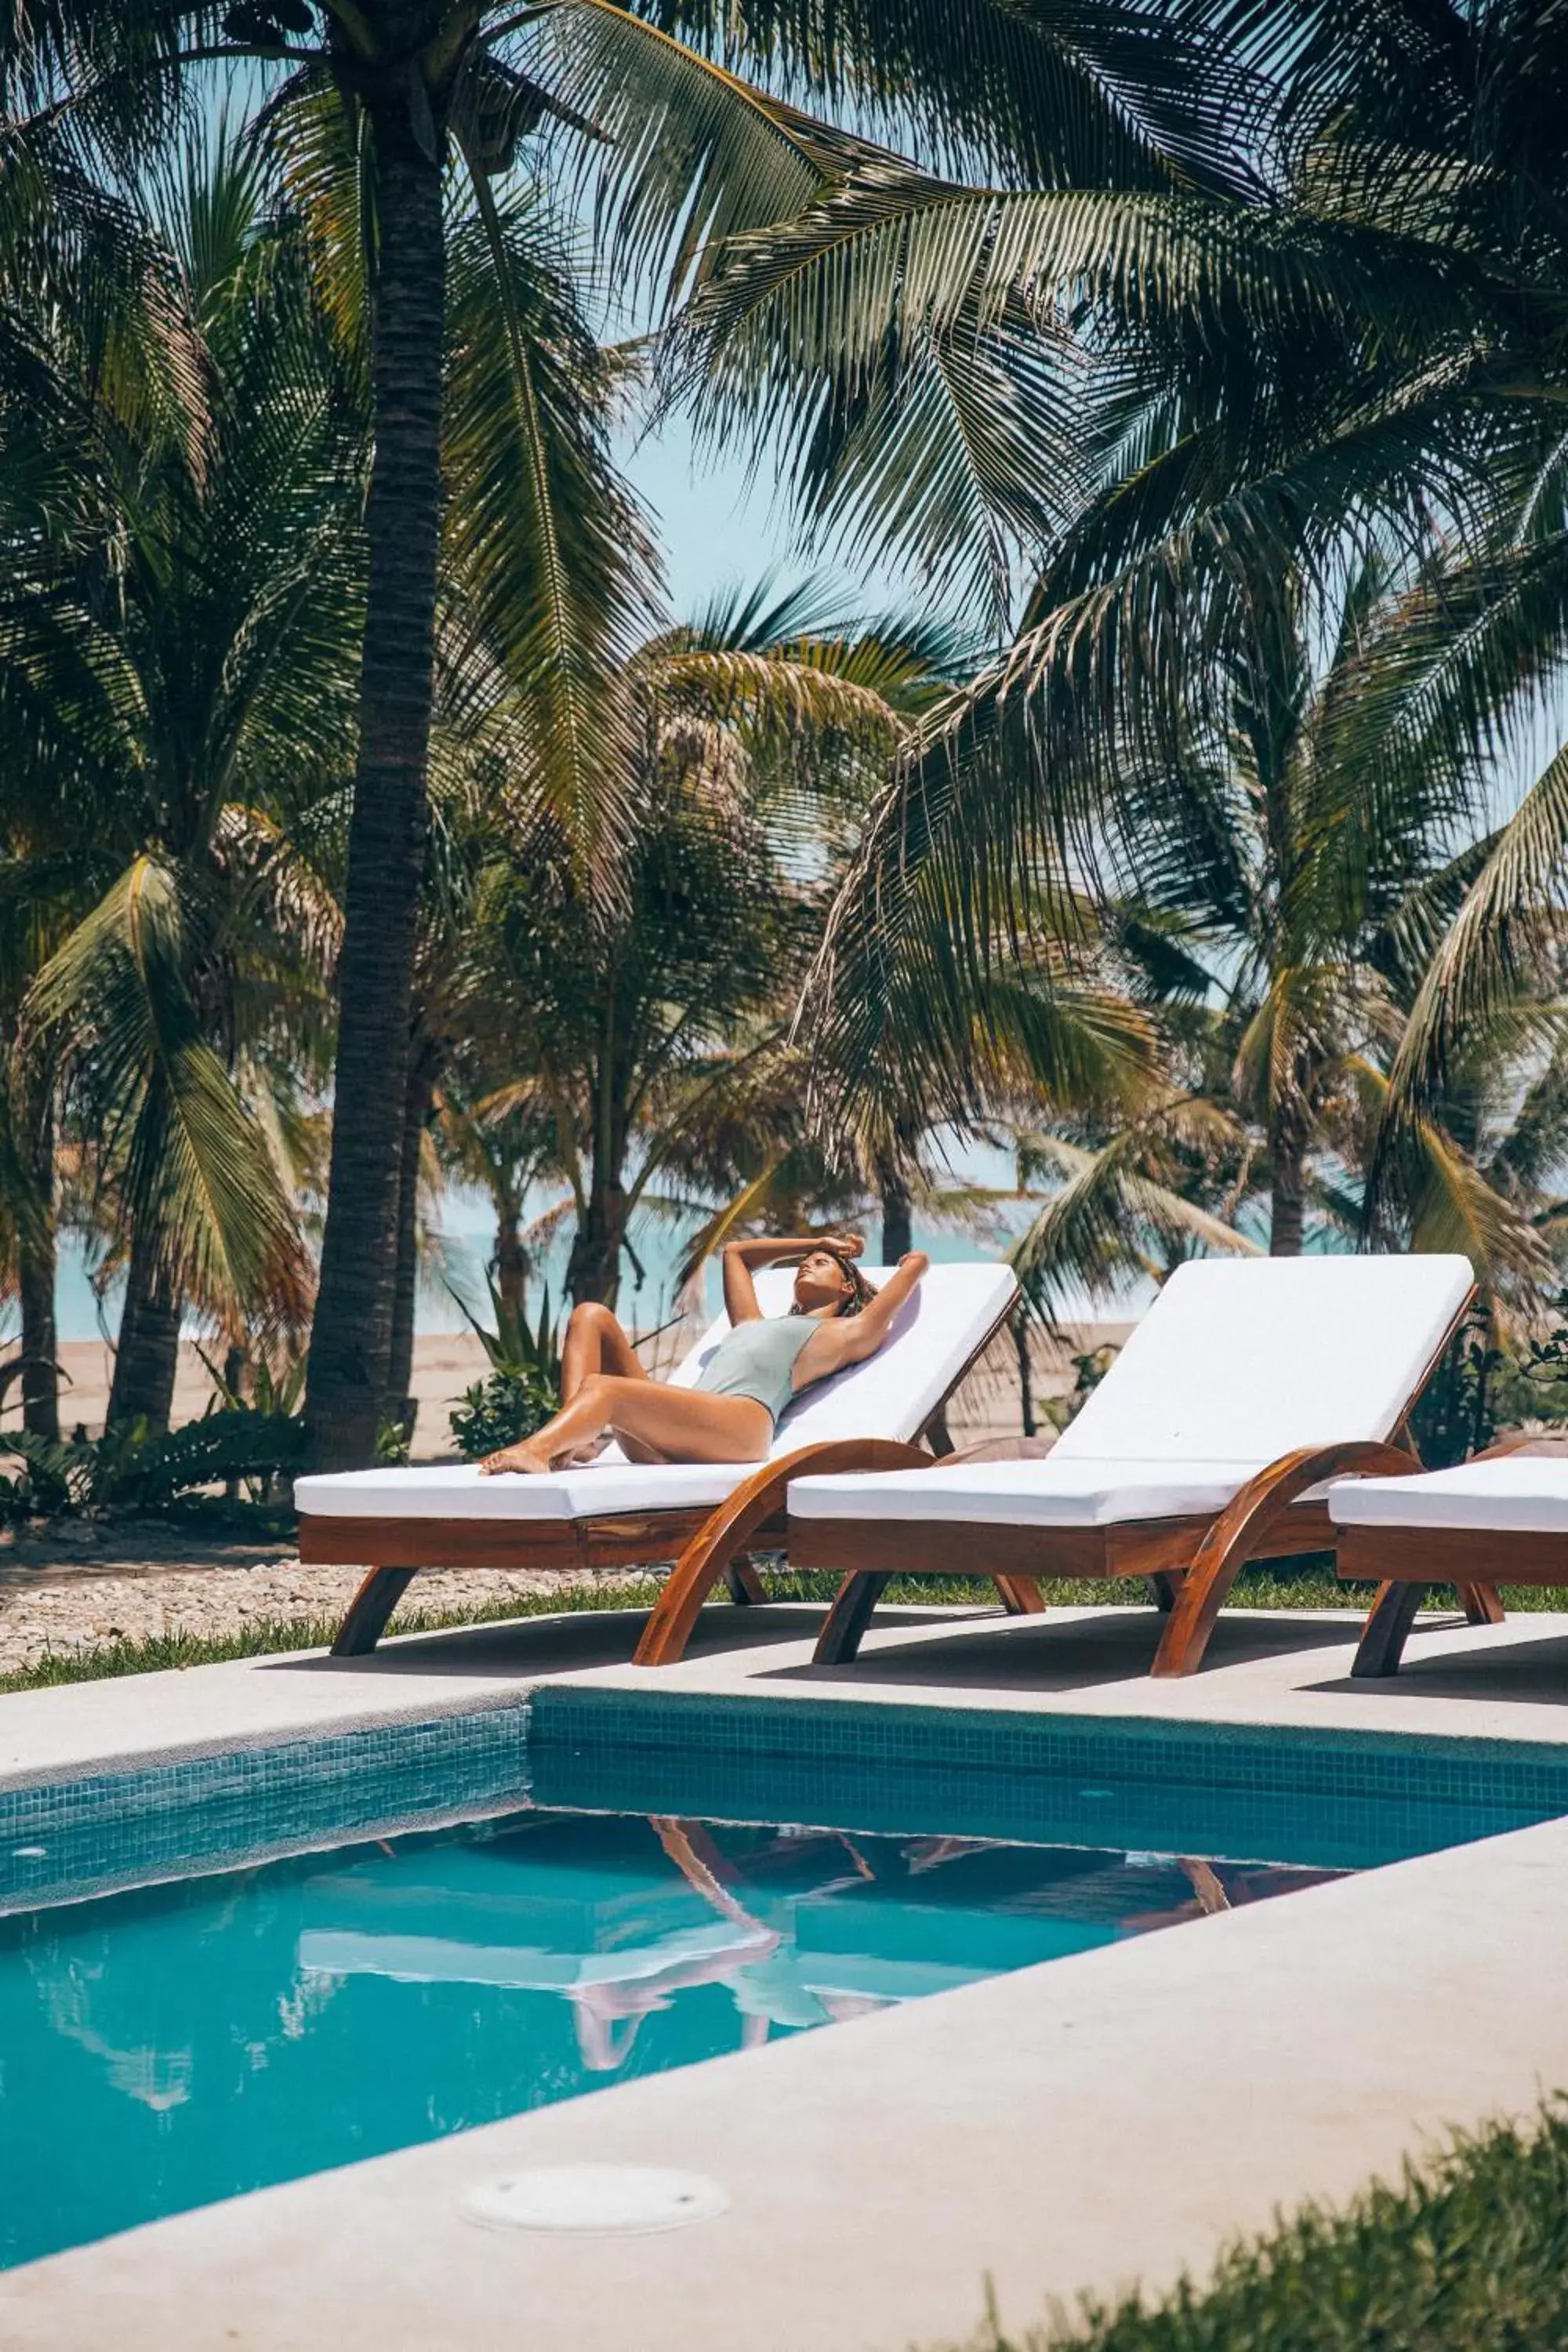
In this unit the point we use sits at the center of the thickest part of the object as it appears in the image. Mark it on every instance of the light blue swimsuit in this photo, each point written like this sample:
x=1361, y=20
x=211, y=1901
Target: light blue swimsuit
x=757, y=1359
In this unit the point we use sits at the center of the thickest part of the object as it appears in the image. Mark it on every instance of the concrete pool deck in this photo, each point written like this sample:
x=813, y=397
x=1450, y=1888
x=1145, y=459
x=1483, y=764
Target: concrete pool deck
x=1112, y=2117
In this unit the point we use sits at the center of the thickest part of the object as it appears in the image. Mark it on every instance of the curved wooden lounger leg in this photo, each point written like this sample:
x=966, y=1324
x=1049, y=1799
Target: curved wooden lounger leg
x=839, y=1640
x=1242, y=1525
x=747, y=1589
x=1482, y=1605
x=1387, y=1628
x=708, y=1555
x=369, y=1610
x=858, y=1596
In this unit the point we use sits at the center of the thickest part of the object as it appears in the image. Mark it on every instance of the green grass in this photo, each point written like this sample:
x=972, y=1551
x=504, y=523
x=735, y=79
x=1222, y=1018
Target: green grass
x=1466, y=2255
x=1308, y=1587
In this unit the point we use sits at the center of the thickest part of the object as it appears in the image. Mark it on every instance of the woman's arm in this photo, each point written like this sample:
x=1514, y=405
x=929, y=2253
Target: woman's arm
x=864, y=1333
x=850, y=1339
x=741, y=1302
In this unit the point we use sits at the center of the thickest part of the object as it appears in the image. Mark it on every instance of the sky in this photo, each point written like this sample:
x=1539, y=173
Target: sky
x=716, y=527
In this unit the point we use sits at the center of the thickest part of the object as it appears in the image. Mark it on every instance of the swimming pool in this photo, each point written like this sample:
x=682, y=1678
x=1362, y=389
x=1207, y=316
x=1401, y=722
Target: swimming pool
x=210, y=2026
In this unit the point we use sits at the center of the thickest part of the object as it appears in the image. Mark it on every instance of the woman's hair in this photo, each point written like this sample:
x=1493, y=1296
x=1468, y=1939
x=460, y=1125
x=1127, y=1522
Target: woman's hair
x=861, y=1293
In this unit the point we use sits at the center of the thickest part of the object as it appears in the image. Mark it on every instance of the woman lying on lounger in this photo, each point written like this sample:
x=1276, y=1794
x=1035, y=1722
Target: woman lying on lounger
x=757, y=1368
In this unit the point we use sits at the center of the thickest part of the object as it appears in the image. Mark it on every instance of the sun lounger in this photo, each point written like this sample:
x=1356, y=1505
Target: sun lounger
x=1500, y=1519
x=613, y=1513
x=1206, y=1445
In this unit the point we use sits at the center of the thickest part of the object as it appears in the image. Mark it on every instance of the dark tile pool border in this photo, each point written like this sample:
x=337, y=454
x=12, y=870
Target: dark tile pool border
x=1518, y=1774
x=249, y=1803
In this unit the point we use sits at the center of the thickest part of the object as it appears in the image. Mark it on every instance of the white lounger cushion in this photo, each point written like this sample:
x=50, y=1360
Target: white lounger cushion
x=1243, y=1360
x=1025, y=1494
x=892, y=1394
x=1521, y=1494
x=454, y=1490
x=1236, y=1363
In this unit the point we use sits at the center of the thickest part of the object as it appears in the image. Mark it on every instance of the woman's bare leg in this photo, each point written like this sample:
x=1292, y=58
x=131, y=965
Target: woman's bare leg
x=671, y=1424
x=596, y=1342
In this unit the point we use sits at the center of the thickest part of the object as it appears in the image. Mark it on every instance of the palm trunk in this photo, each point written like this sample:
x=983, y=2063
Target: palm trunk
x=512, y=1258
x=36, y=1272
x=1288, y=1212
x=594, y=1268
x=406, y=1291
x=1025, y=1370
x=897, y=1229
x=147, y=1354
x=351, y=1345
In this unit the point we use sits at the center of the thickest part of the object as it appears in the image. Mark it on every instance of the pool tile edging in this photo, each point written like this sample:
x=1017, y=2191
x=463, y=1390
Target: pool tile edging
x=1456, y=1768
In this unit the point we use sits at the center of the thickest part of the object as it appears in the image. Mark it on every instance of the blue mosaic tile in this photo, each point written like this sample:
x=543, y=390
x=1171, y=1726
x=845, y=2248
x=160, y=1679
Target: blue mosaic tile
x=1366, y=1795
x=251, y=1803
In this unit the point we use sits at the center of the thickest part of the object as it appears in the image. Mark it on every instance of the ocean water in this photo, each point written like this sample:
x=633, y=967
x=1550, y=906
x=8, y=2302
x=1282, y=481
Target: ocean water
x=458, y=1260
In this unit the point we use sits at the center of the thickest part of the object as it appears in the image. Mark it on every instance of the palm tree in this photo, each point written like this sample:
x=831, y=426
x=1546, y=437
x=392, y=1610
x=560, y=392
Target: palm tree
x=27, y=1220
x=1351, y=352
x=187, y=617
x=376, y=106
x=639, y=1025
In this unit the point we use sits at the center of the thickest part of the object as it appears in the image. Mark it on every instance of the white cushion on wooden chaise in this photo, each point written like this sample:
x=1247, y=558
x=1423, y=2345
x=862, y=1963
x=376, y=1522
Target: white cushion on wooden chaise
x=1237, y=1363
x=1519, y=1494
x=893, y=1394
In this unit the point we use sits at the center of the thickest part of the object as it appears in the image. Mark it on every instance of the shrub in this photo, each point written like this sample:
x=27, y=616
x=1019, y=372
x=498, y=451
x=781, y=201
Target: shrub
x=513, y=1404
x=139, y=1468
x=524, y=1385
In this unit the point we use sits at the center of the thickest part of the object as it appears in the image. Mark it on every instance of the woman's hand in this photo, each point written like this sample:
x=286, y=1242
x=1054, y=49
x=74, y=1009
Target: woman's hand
x=917, y=1258
x=844, y=1245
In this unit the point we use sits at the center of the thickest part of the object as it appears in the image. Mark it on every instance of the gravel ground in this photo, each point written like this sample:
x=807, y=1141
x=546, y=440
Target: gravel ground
x=80, y=1607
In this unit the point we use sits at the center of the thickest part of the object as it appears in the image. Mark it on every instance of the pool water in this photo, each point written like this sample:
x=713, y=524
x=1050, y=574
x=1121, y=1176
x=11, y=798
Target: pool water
x=165, y=2047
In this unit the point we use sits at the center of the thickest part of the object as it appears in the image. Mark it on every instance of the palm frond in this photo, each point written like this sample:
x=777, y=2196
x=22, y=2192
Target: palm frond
x=545, y=542
x=196, y=1169
x=1113, y=1218
x=686, y=153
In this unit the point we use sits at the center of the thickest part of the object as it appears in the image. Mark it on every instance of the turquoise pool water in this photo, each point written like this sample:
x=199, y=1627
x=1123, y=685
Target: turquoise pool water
x=167, y=2046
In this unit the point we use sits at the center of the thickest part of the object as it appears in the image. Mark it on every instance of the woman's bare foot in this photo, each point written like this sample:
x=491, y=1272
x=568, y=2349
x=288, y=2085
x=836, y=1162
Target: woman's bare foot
x=522, y=1458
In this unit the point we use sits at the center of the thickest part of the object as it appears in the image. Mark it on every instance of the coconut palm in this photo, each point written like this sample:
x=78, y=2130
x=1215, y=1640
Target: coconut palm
x=185, y=610
x=752, y=735
x=396, y=116
x=1352, y=352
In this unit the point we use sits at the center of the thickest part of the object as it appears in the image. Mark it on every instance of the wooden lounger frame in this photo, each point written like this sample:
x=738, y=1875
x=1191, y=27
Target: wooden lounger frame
x=1190, y=1563
x=1405, y=1562
x=709, y=1545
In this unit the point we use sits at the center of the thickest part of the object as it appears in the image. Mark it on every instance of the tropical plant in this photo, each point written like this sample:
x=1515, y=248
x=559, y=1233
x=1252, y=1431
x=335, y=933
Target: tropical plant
x=508, y=1404
x=1338, y=366
x=135, y=1466
x=393, y=120
x=523, y=1387
x=516, y=1345
x=635, y=1032
x=185, y=609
